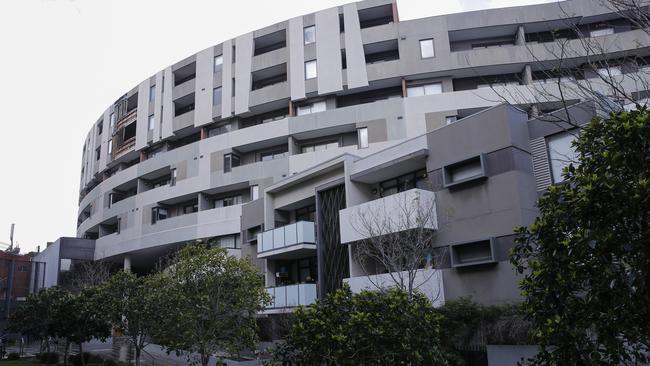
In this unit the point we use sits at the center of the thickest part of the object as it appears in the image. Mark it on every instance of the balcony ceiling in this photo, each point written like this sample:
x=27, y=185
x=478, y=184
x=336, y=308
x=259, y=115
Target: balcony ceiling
x=392, y=168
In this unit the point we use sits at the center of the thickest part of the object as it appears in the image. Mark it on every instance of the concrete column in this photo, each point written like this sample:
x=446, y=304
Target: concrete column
x=527, y=75
x=127, y=263
x=204, y=203
x=520, y=38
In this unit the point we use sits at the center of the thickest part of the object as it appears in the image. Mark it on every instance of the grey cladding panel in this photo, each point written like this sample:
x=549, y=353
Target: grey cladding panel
x=158, y=102
x=203, y=87
x=142, y=116
x=226, y=80
x=355, y=59
x=296, y=59
x=168, y=105
x=328, y=51
x=243, y=62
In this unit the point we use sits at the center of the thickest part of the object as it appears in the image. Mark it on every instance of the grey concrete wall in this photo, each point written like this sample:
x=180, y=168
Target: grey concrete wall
x=50, y=256
x=296, y=67
x=203, y=87
x=357, y=76
x=328, y=51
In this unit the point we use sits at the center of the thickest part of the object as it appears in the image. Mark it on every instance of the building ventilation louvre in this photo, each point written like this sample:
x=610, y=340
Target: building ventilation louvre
x=541, y=167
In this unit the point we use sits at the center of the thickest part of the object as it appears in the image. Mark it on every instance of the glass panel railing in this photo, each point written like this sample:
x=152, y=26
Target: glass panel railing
x=292, y=295
x=307, y=293
x=301, y=232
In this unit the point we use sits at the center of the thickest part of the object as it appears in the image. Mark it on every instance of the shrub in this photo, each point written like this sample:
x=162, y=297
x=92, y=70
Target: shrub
x=13, y=356
x=390, y=328
x=88, y=357
x=49, y=358
x=468, y=323
x=110, y=363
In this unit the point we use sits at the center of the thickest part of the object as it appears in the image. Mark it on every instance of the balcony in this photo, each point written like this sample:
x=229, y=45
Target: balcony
x=285, y=297
x=395, y=213
x=427, y=281
x=287, y=242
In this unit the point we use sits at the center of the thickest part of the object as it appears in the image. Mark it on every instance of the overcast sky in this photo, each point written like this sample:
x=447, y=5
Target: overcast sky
x=64, y=61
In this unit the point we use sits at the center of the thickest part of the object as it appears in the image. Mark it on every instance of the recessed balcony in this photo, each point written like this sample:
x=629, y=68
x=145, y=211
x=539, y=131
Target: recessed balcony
x=287, y=242
x=287, y=297
x=391, y=214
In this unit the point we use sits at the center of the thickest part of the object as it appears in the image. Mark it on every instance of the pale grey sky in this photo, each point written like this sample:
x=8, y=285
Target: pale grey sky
x=64, y=61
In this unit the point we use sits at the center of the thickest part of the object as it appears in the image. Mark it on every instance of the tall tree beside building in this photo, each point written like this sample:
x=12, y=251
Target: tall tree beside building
x=139, y=307
x=216, y=300
x=586, y=259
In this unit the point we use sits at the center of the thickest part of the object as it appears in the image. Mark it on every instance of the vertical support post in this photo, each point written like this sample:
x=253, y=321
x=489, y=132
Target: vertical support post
x=127, y=263
x=292, y=112
x=520, y=37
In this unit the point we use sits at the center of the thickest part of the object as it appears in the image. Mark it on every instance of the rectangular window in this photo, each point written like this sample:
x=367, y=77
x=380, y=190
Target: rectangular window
x=362, y=138
x=231, y=201
x=218, y=61
x=270, y=155
x=228, y=241
x=311, y=108
x=310, y=70
x=426, y=48
x=152, y=122
x=230, y=161
x=216, y=96
x=255, y=192
x=561, y=153
x=100, y=127
x=190, y=208
x=157, y=214
x=98, y=153
x=320, y=146
x=112, y=122
x=152, y=93
x=110, y=147
x=310, y=34
x=601, y=32
x=606, y=72
x=119, y=225
x=172, y=180
x=426, y=89
x=418, y=179
x=450, y=119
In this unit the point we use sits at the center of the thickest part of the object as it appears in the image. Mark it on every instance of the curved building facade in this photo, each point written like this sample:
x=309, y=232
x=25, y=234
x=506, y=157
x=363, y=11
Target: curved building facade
x=270, y=143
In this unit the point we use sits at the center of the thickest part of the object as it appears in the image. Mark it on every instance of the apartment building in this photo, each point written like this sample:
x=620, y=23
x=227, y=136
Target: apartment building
x=271, y=143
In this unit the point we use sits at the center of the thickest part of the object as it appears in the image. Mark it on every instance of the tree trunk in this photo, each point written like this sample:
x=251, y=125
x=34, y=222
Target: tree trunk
x=138, y=351
x=205, y=359
x=65, y=352
x=81, y=354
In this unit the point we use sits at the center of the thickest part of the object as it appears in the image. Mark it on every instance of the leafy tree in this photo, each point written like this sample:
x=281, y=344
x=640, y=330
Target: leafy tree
x=216, y=298
x=38, y=315
x=83, y=317
x=56, y=313
x=369, y=328
x=586, y=259
x=138, y=307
